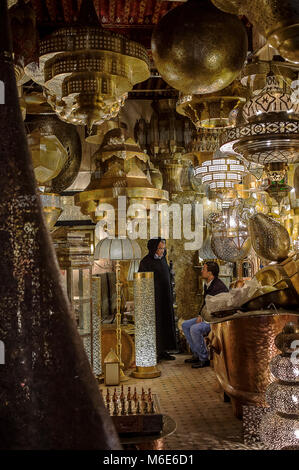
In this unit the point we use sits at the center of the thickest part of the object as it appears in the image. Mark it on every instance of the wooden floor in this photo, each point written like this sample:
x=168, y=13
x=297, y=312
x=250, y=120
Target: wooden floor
x=193, y=399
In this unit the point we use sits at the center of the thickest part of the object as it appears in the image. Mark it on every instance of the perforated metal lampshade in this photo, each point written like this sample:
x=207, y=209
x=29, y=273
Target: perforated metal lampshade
x=220, y=173
x=120, y=249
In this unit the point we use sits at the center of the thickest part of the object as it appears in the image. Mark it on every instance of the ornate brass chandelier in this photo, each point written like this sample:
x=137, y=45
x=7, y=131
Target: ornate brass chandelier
x=212, y=110
x=221, y=174
x=120, y=171
x=270, y=133
x=272, y=100
x=230, y=239
x=86, y=71
x=276, y=21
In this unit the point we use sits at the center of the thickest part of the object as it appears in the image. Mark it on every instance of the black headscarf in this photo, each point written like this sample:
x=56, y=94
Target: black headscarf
x=153, y=244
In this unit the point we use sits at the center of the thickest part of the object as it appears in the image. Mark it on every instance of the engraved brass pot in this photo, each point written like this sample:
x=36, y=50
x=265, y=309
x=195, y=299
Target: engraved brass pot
x=278, y=21
x=284, y=278
x=198, y=49
x=245, y=347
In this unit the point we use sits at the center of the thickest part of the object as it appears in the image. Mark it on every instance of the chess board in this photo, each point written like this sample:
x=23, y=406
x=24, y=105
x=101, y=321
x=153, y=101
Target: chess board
x=134, y=413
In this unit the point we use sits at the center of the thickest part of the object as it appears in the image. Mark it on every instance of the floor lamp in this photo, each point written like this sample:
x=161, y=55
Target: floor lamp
x=118, y=249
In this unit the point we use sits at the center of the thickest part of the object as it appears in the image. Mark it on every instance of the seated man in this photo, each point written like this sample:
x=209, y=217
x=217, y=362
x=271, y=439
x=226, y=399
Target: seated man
x=196, y=328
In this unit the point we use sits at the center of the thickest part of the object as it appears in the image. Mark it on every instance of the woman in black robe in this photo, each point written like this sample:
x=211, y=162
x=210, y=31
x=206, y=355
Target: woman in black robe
x=156, y=262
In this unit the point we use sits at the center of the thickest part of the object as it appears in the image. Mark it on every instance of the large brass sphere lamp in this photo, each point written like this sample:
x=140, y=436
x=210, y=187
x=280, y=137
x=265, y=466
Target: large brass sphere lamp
x=199, y=49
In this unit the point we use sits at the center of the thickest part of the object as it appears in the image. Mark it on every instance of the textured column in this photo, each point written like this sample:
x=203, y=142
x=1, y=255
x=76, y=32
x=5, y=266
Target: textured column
x=96, y=326
x=49, y=396
x=279, y=428
x=145, y=326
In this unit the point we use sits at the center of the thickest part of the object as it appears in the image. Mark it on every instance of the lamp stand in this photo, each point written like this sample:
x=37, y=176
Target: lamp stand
x=239, y=270
x=123, y=377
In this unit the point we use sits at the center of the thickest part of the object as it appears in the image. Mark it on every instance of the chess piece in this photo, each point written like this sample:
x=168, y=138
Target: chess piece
x=138, y=411
x=149, y=395
x=152, y=410
x=123, y=407
x=122, y=396
x=108, y=395
x=115, y=410
x=142, y=394
x=145, y=408
x=135, y=395
x=108, y=406
x=114, y=398
x=129, y=394
x=130, y=408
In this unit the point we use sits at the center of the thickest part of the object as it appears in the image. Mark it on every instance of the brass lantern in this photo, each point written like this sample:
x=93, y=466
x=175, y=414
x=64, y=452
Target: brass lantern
x=213, y=110
x=111, y=369
x=87, y=71
x=278, y=21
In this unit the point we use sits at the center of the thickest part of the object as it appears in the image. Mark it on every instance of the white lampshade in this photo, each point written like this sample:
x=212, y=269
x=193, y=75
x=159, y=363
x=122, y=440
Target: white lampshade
x=117, y=249
x=220, y=173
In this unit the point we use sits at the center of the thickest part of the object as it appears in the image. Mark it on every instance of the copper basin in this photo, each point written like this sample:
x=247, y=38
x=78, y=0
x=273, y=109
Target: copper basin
x=242, y=350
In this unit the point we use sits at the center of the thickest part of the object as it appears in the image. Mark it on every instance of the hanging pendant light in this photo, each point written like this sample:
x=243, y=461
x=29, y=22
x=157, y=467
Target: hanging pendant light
x=213, y=110
x=87, y=71
x=198, y=49
x=270, y=133
x=278, y=22
x=221, y=175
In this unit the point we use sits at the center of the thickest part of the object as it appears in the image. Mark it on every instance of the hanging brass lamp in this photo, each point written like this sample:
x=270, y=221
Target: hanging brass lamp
x=277, y=21
x=270, y=133
x=120, y=171
x=198, y=49
x=49, y=396
x=86, y=71
x=166, y=139
x=212, y=110
x=254, y=74
x=221, y=174
x=56, y=156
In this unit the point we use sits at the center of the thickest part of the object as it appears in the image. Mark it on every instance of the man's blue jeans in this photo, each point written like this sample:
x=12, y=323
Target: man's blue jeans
x=195, y=333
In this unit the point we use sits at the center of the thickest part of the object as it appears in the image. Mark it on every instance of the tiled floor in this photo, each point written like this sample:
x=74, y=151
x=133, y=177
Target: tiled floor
x=193, y=399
